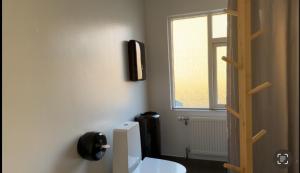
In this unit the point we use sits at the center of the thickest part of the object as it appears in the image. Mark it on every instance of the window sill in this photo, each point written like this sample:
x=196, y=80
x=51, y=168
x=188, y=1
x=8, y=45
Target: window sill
x=197, y=110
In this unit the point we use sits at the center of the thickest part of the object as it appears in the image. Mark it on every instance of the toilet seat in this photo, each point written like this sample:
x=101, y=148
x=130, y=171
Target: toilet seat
x=152, y=165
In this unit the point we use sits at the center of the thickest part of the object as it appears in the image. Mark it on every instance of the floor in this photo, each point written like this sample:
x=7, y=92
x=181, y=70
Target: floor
x=199, y=166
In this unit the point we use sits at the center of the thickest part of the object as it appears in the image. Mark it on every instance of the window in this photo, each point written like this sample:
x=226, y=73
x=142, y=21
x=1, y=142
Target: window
x=197, y=44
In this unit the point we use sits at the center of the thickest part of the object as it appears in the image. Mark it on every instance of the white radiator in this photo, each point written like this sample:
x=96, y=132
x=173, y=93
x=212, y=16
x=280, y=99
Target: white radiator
x=208, y=136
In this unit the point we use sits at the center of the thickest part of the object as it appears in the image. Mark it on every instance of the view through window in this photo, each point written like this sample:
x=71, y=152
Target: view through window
x=198, y=72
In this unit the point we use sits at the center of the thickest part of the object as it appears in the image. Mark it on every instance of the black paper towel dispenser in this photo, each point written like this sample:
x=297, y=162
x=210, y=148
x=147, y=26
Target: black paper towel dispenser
x=92, y=146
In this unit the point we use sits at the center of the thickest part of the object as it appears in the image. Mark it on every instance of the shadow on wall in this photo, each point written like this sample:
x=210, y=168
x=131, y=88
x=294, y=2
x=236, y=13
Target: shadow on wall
x=74, y=160
x=77, y=164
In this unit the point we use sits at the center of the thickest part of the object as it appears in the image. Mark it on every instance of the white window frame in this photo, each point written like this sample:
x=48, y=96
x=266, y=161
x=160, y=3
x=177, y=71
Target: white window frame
x=214, y=89
x=212, y=42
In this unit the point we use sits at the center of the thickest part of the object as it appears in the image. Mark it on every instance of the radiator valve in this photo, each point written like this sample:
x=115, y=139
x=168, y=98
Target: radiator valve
x=183, y=118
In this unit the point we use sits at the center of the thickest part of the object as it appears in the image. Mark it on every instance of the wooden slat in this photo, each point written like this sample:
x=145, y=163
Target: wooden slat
x=256, y=34
x=232, y=167
x=260, y=88
x=233, y=112
x=231, y=12
x=259, y=135
x=230, y=61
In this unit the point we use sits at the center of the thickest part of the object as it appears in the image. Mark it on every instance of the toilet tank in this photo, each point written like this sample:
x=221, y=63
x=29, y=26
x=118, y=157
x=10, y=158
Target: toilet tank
x=126, y=147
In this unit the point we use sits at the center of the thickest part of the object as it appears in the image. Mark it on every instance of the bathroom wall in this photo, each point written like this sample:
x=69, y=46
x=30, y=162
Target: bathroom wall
x=174, y=133
x=65, y=73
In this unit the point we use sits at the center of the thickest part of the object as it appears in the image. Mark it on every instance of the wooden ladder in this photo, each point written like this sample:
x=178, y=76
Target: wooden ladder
x=245, y=90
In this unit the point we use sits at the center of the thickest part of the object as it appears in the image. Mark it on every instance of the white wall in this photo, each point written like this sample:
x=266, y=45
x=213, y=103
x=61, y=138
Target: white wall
x=174, y=135
x=65, y=73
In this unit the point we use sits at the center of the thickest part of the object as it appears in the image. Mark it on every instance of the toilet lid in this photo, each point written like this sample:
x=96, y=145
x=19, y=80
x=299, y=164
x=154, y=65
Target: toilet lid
x=151, y=165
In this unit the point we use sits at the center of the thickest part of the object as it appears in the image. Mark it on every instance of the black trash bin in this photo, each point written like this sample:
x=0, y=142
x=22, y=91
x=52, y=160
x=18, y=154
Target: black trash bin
x=150, y=134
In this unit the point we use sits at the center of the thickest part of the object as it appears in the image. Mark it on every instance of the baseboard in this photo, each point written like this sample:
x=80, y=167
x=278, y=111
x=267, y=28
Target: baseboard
x=201, y=157
x=208, y=157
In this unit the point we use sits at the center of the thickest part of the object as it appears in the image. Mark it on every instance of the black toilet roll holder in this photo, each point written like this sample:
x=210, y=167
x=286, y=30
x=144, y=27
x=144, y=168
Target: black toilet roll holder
x=92, y=146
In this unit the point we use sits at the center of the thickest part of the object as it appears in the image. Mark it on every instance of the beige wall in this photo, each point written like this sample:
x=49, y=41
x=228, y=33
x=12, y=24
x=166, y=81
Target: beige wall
x=64, y=73
x=174, y=138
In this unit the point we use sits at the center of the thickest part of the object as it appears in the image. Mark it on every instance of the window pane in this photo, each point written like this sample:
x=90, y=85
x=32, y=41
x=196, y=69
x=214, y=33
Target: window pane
x=221, y=75
x=190, y=62
x=219, y=25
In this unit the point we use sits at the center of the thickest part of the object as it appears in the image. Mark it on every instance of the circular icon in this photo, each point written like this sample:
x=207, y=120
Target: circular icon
x=282, y=158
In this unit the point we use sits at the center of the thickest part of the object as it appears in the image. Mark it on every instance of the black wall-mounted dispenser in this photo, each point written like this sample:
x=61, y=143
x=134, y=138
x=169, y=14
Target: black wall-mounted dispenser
x=92, y=146
x=136, y=60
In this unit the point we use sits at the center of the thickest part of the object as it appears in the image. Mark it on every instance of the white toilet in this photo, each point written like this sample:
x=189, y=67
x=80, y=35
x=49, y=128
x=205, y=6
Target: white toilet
x=127, y=153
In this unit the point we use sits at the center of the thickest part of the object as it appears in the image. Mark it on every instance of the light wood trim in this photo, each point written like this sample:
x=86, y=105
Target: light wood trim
x=230, y=61
x=259, y=135
x=232, y=167
x=256, y=34
x=260, y=87
x=245, y=84
x=231, y=12
x=233, y=112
